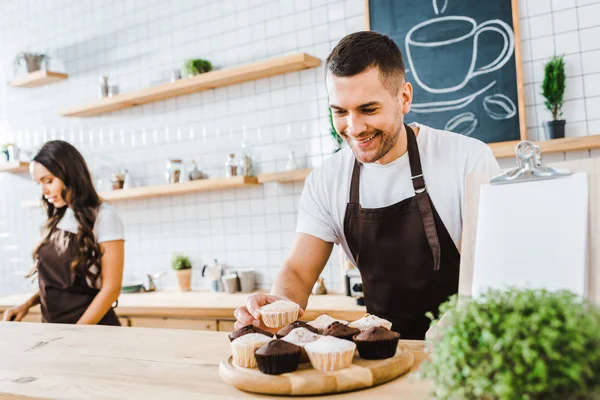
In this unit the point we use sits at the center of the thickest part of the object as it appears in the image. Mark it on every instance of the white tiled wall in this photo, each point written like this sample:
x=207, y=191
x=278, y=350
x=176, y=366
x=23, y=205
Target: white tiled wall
x=137, y=43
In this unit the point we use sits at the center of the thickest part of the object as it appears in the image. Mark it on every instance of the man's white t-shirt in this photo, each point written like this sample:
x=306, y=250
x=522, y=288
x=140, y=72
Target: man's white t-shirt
x=446, y=158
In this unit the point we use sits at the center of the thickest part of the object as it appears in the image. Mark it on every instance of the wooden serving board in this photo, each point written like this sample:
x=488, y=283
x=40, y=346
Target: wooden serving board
x=308, y=381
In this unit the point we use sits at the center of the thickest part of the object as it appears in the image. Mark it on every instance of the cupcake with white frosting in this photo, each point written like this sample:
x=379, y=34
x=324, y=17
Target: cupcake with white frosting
x=329, y=353
x=301, y=337
x=280, y=313
x=323, y=321
x=243, y=349
x=369, y=321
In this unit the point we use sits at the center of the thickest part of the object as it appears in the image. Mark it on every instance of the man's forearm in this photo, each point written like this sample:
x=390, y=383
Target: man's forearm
x=290, y=285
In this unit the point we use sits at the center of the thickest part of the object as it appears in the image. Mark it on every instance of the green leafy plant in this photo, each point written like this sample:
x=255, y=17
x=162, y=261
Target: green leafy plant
x=338, y=139
x=23, y=56
x=197, y=66
x=180, y=262
x=553, y=87
x=516, y=344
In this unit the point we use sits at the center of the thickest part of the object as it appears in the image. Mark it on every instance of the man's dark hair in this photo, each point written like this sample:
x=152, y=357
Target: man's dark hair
x=360, y=51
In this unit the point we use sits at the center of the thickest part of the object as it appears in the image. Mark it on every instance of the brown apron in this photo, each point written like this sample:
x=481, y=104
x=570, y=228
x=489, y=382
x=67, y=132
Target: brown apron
x=64, y=293
x=408, y=261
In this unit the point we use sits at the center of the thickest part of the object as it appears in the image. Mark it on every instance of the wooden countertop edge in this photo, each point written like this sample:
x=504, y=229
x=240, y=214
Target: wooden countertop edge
x=208, y=312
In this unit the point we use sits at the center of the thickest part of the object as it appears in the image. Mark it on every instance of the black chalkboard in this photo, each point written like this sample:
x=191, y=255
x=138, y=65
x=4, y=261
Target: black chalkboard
x=460, y=60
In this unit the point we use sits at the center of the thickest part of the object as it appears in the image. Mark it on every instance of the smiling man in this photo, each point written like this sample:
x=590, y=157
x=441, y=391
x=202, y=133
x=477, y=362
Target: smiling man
x=393, y=198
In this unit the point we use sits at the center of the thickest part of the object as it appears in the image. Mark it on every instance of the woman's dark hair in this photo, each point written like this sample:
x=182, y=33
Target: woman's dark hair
x=360, y=51
x=67, y=164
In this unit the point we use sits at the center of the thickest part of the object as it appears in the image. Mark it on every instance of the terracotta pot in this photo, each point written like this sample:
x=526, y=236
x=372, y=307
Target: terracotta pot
x=184, y=276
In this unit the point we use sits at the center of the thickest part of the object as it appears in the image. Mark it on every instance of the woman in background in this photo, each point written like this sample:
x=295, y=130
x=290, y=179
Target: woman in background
x=79, y=260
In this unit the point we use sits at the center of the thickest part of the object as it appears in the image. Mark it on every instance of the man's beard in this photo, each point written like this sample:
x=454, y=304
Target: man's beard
x=388, y=141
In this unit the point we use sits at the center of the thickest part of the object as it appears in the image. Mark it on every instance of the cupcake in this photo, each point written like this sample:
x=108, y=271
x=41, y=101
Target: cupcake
x=341, y=331
x=323, y=321
x=330, y=353
x=246, y=330
x=369, y=321
x=243, y=349
x=294, y=325
x=301, y=337
x=278, y=357
x=279, y=313
x=377, y=343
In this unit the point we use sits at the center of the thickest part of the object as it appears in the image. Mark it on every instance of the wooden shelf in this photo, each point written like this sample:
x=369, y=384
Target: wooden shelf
x=38, y=78
x=198, y=83
x=202, y=185
x=14, y=167
x=287, y=176
x=507, y=149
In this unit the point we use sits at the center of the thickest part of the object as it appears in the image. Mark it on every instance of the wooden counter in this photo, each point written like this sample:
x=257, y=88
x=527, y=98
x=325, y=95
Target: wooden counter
x=147, y=309
x=77, y=362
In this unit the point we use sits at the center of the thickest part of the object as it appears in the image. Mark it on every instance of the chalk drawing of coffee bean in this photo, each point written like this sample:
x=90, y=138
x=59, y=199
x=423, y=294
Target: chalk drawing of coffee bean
x=499, y=107
x=463, y=124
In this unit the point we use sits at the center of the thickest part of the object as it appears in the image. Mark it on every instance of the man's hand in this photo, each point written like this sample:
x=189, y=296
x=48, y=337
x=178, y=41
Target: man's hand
x=249, y=314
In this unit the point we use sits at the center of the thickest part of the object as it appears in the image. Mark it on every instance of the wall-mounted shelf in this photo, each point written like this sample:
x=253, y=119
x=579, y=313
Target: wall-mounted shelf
x=202, y=185
x=198, y=83
x=507, y=149
x=38, y=78
x=287, y=176
x=14, y=167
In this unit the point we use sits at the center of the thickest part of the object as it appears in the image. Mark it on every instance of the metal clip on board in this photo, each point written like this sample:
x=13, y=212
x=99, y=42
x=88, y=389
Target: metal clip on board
x=529, y=167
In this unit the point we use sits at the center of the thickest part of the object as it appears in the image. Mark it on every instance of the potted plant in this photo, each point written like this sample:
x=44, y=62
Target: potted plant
x=553, y=90
x=197, y=66
x=516, y=344
x=32, y=60
x=338, y=139
x=183, y=266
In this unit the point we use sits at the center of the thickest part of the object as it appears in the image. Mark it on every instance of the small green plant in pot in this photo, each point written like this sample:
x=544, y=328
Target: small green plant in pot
x=553, y=90
x=197, y=67
x=183, y=266
x=516, y=344
x=33, y=61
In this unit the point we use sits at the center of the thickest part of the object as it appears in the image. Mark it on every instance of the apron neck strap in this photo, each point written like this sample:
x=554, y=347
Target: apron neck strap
x=414, y=160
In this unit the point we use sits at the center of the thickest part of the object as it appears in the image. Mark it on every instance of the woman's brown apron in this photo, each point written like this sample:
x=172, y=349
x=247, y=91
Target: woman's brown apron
x=64, y=293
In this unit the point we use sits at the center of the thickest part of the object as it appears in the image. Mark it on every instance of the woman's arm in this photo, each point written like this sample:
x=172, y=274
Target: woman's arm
x=19, y=312
x=112, y=275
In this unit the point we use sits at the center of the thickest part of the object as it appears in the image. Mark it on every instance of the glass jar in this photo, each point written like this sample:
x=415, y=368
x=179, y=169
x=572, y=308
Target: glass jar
x=173, y=173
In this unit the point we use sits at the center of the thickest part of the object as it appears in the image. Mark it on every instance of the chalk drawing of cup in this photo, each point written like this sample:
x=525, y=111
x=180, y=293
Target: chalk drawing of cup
x=429, y=43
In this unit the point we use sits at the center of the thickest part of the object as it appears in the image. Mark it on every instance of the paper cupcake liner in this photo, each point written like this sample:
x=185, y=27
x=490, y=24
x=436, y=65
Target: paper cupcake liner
x=243, y=356
x=376, y=349
x=279, y=319
x=278, y=364
x=324, y=362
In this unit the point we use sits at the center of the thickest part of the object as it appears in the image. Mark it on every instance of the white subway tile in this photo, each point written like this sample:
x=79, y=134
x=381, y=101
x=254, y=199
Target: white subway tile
x=591, y=62
x=540, y=26
x=567, y=43
x=589, y=39
x=537, y=7
x=558, y=5
x=592, y=108
x=565, y=21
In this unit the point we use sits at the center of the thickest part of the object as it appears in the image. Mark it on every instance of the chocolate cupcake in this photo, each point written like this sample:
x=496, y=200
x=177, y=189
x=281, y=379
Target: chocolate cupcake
x=246, y=330
x=296, y=324
x=278, y=357
x=341, y=331
x=377, y=343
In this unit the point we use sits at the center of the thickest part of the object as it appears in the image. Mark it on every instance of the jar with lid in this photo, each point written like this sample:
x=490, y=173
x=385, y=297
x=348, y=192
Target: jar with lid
x=173, y=173
x=246, y=168
x=230, y=167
